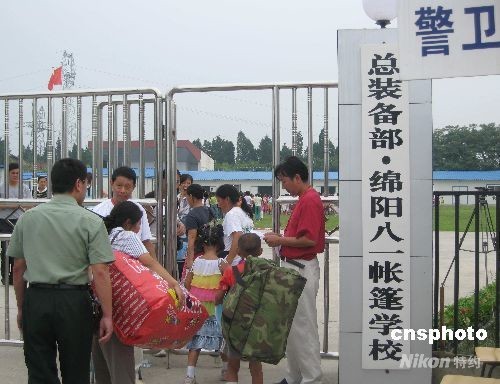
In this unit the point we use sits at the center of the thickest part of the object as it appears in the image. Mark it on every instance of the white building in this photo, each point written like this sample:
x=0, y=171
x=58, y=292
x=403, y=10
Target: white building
x=191, y=158
x=465, y=181
x=261, y=182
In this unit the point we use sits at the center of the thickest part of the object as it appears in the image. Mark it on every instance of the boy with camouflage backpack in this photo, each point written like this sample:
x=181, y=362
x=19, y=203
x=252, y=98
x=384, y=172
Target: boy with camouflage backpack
x=249, y=244
x=258, y=311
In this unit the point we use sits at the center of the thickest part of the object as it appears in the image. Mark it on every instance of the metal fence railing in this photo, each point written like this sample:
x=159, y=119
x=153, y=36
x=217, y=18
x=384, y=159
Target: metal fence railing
x=472, y=264
x=7, y=289
x=115, y=124
x=276, y=92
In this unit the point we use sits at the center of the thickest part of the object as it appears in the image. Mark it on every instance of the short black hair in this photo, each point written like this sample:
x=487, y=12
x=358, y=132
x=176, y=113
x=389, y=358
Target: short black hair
x=195, y=190
x=126, y=172
x=290, y=167
x=121, y=212
x=184, y=177
x=65, y=173
x=13, y=166
x=250, y=243
x=41, y=177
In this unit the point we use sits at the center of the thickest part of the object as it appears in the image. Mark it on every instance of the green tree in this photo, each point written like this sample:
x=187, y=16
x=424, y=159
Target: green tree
x=488, y=151
x=58, y=150
x=466, y=148
x=318, y=154
x=2, y=151
x=285, y=152
x=207, y=147
x=265, y=152
x=300, y=145
x=221, y=150
x=197, y=143
x=245, y=151
x=86, y=155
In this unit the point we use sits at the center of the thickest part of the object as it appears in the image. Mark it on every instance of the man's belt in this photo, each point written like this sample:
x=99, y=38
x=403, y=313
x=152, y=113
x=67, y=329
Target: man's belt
x=292, y=261
x=81, y=287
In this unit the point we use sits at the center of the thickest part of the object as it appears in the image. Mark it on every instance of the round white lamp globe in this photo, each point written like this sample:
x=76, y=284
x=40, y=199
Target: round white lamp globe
x=381, y=11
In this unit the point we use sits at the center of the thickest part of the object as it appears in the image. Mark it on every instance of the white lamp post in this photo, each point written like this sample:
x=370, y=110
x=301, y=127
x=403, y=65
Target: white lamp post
x=381, y=11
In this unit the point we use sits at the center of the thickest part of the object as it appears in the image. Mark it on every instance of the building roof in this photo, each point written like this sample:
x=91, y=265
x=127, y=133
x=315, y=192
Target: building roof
x=467, y=175
x=267, y=176
x=195, y=151
x=188, y=145
x=247, y=175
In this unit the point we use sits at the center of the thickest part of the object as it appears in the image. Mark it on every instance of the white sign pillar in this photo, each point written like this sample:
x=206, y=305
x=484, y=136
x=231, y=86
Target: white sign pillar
x=414, y=164
x=385, y=204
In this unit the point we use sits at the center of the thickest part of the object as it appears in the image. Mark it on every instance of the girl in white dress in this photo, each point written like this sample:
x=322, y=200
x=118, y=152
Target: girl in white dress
x=202, y=280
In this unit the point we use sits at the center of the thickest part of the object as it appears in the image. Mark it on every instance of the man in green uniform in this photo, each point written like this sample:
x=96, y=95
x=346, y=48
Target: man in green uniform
x=53, y=246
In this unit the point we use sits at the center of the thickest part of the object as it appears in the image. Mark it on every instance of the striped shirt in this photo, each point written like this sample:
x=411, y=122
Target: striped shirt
x=127, y=242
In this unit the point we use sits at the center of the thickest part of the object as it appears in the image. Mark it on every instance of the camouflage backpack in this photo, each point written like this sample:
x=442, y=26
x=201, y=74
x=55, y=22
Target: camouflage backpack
x=258, y=311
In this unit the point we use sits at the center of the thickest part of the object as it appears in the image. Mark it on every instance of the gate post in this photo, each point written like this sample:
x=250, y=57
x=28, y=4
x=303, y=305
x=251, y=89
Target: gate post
x=351, y=223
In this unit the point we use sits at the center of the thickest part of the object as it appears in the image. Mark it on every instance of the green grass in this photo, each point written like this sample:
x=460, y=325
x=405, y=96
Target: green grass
x=446, y=219
x=266, y=222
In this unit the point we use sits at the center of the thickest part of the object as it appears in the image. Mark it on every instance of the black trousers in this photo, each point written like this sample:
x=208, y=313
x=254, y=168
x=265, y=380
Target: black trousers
x=57, y=320
x=5, y=227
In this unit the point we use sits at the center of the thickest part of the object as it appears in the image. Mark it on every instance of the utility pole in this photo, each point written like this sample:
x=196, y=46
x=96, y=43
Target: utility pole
x=68, y=136
x=69, y=73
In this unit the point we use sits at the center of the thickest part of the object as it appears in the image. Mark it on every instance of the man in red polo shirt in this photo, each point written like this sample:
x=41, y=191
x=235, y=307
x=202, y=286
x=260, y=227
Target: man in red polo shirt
x=302, y=240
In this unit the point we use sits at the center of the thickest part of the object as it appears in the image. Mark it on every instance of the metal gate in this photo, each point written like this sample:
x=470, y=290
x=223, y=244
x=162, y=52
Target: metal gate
x=111, y=121
x=275, y=90
x=61, y=124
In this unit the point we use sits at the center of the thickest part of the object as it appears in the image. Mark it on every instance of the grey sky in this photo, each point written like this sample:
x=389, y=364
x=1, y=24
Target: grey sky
x=162, y=43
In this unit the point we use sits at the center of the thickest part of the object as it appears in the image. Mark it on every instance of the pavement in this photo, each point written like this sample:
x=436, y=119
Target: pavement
x=171, y=369
x=165, y=370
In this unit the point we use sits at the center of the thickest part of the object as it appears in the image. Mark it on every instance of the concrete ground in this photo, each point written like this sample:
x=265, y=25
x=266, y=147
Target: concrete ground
x=171, y=369
x=164, y=370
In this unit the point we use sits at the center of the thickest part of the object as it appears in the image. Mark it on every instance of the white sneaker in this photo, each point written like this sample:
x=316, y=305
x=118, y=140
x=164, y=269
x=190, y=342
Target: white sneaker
x=189, y=380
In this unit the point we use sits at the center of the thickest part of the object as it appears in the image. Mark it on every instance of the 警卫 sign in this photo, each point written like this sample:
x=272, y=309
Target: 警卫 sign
x=456, y=38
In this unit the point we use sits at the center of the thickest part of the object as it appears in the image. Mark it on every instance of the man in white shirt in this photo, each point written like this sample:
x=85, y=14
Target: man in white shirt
x=257, y=202
x=123, y=182
x=9, y=214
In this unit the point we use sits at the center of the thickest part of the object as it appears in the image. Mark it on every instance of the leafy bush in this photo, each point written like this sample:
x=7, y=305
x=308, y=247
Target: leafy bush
x=486, y=318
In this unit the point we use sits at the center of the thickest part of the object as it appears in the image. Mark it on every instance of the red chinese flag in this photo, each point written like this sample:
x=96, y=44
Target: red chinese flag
x=55, y=78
